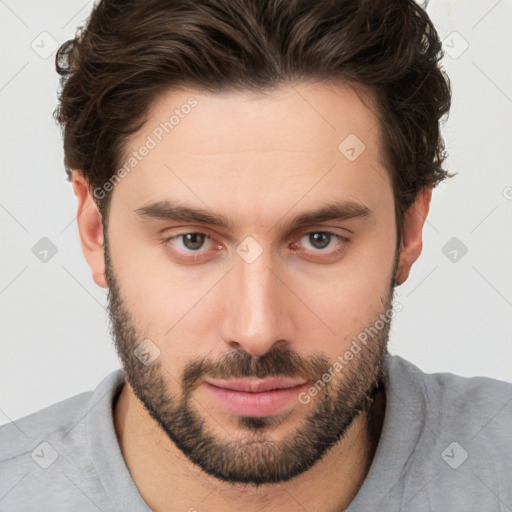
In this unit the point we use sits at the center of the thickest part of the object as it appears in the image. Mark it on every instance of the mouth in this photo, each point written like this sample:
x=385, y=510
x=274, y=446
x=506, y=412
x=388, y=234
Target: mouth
x=256, y=397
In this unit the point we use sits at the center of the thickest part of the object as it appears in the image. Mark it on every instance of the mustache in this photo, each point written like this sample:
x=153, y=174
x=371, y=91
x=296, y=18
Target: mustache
x=278, y=362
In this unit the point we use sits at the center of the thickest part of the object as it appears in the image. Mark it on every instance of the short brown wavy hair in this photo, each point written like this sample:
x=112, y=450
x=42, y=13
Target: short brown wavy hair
x=131, y=51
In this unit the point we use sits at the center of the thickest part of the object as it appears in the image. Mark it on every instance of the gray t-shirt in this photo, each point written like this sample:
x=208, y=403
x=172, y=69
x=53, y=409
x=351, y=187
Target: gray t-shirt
x=446, y=445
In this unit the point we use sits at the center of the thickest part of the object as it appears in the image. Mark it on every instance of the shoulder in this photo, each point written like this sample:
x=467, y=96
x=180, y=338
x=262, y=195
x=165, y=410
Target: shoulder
x=18, y=437
x=465, y=417
x=445, y=380
x=444, y=445
x=453, y=397
x=61, y=422
x=46, y=455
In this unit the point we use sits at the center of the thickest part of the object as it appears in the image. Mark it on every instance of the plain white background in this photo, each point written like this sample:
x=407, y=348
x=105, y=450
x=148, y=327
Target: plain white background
x=456, y=317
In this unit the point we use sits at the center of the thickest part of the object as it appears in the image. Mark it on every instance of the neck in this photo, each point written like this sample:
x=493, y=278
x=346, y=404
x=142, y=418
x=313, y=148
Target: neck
x=168, y=481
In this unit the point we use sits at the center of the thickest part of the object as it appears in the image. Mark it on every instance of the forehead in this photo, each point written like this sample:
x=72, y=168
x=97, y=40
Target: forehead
x=298, y=142
x=293, y=117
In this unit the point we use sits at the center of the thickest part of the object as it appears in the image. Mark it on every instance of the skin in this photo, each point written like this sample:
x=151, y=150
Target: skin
x=258, y=160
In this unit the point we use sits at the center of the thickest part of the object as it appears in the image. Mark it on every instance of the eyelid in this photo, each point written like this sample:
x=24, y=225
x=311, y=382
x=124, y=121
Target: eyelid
x=318, y=229
x=324, y=229
x=299, y=234
x=207, y=236
x=193, y=255
x=186, y=257
x=339, y=237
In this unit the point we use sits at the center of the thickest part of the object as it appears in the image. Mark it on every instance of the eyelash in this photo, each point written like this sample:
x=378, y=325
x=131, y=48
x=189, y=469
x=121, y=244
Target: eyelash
x=192, y=257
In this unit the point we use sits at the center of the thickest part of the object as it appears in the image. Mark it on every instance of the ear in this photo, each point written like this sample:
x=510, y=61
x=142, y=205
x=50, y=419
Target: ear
x=90, y=228
x=412, y=241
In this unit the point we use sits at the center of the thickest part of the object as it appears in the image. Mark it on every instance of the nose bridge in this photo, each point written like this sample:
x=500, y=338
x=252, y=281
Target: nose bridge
x=255, y=314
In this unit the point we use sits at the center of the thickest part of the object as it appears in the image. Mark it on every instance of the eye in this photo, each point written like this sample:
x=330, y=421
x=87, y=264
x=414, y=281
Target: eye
x=191, y=241
x=190, y=246
x=319, y=239
x=322, y=242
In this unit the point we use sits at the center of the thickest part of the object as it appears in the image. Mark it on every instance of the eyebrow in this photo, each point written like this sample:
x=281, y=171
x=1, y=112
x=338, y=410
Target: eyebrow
x=167, y=210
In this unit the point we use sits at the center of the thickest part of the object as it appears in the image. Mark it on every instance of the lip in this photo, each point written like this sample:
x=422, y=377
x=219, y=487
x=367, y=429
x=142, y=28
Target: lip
x=256, y=385
x=256, y=397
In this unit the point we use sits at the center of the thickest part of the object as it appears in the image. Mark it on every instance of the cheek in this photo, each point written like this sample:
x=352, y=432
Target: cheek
x=177, y=310
x=354, y=294
x=182, y=309
x=153, y=291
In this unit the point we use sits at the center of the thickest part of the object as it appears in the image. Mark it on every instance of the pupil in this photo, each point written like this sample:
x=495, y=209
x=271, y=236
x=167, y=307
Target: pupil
x=317, y=238
x=193, y=238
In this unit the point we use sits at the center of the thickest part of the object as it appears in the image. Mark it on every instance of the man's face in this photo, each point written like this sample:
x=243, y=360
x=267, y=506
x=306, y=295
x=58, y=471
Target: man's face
x=259, y=296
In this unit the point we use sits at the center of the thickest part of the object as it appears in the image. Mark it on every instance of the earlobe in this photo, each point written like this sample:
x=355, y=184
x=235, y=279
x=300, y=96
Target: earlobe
x=412, y=241
x=90, y=228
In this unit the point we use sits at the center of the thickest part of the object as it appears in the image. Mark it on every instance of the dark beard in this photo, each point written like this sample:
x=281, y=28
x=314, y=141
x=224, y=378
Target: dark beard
x=256, y=459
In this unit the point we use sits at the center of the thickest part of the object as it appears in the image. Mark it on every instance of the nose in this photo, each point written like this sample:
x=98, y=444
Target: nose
x=257, y=315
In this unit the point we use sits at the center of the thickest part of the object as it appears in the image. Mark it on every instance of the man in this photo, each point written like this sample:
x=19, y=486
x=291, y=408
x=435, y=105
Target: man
x=252, y=181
